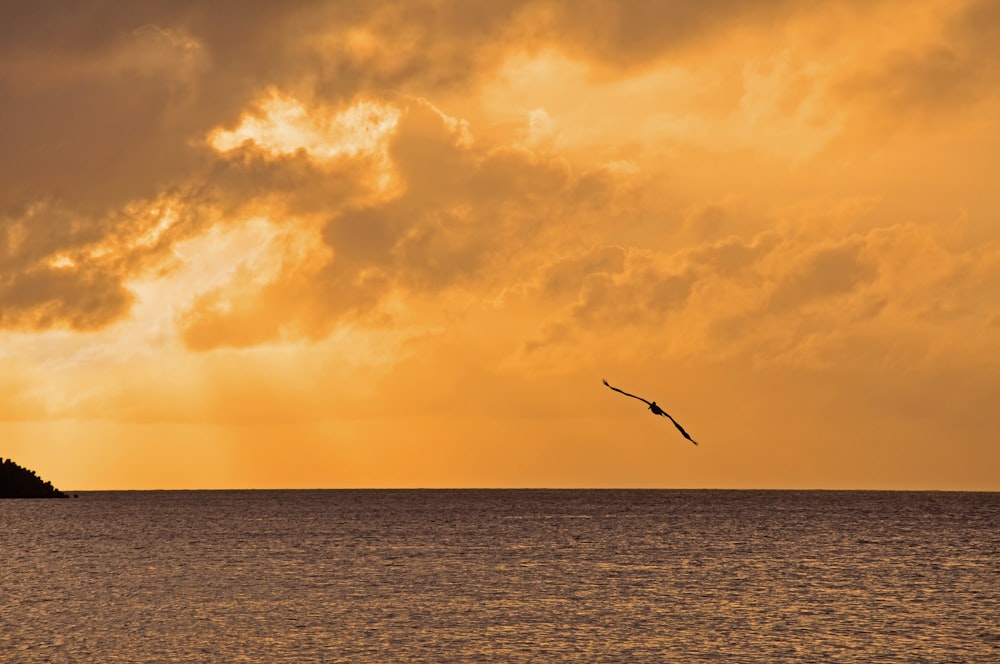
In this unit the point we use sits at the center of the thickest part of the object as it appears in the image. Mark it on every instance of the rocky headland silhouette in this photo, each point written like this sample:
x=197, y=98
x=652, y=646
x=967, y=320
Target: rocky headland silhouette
x=19, y=482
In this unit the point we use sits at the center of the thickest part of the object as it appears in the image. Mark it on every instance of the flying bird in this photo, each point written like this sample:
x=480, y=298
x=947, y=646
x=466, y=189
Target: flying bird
x=656, y=410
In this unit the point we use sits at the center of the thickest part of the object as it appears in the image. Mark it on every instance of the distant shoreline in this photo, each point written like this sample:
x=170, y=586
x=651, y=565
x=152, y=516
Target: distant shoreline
x=19, y=482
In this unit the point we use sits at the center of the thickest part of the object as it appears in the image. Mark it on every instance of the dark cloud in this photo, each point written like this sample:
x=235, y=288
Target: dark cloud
x=951, y=73
x=45, y=281
x=644, y=295
x=775, y=293
x=99, y=114
x=80, y=299
x=615, y=294
x=733, y=256
x=822, y=273
x=614, y=287
x=104, y=102
x=565, y=276
x=104, y=108
x=248, y=180
x=709, y=221
x=91, y=144
x=412, y=47
x=626, y=35
x=60, y=267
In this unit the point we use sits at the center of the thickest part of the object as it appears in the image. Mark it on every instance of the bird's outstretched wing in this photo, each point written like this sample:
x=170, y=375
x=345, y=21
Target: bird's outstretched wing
x=648, y=403
x=680, y=428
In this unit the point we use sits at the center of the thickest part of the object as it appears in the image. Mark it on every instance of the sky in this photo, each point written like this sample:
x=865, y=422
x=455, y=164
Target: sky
x=400, y=243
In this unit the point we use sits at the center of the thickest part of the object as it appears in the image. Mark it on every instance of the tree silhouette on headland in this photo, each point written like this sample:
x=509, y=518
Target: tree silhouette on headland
x=18, y=482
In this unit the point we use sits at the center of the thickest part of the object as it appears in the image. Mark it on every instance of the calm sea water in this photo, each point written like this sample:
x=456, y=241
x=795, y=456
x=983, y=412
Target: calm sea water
x=501, y=576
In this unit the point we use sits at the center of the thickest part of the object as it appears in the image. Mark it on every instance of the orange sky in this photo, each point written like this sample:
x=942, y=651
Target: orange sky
x=399, y=244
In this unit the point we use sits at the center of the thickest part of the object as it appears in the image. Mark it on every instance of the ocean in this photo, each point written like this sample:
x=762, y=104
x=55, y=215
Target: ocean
x=501, y=576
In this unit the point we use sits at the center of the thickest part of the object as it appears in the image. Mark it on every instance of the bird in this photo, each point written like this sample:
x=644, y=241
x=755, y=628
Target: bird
x=655, y=408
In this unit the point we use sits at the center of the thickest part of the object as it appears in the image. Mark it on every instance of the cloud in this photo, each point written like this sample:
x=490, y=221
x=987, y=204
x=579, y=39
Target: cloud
x=282, y=126
x=565, y=275
x=822, y=273
x=461, y=215
x=87, y=107
x=220, y=107
x=788, y=296
x=44, y=298
x=103, y=114
x=60, y=268
x=733, y=256
x=644, y=294
x=635, y=35
x=105, y=124
x=924, y=78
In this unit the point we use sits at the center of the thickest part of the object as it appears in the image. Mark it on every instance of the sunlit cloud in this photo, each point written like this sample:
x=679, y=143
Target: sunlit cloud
x=281, y=125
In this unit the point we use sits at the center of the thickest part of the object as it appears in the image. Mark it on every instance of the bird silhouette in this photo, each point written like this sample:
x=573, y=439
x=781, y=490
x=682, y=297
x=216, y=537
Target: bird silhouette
x=656, y=410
